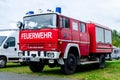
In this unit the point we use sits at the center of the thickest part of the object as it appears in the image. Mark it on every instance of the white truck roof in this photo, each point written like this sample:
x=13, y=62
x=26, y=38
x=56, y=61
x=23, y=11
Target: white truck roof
x=8, y=32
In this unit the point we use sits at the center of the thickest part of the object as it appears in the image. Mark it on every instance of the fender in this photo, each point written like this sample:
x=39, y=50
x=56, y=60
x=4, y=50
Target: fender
x=4, y=56
x=69, y=45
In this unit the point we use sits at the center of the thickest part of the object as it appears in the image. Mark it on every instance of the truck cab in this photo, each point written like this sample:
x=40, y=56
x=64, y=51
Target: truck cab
x=9, y=46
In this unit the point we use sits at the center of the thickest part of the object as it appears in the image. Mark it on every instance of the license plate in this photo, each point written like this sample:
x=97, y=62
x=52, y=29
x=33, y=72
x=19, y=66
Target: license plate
x=51, y=61
x=34, y=59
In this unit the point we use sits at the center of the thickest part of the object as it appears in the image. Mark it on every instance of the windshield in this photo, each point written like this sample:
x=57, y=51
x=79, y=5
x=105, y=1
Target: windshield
x=2, y=38
x=40, y=21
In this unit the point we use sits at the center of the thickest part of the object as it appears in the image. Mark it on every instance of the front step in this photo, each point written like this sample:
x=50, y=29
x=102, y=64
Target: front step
x=88, y=62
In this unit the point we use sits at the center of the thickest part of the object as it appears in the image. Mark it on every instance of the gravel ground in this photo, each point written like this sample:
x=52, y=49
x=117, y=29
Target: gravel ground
x=14, y=76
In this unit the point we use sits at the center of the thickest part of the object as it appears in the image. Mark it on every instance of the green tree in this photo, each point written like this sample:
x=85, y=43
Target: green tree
x=115, y=38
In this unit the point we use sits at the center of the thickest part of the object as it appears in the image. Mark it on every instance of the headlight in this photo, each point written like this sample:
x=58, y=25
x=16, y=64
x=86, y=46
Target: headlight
x=50, y=55
x=20, y=54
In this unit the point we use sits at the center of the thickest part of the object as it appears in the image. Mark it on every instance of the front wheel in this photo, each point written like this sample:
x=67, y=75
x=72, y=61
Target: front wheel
x=3, y=62
x=23, y=63
x=36, y=66
x=69, y=66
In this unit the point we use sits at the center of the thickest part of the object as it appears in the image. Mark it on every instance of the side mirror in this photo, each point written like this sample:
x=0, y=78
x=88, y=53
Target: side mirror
x=19, y=24
x=5, y=46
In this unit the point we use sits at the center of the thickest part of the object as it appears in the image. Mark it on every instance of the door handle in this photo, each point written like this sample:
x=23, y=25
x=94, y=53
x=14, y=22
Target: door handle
x=15, y=49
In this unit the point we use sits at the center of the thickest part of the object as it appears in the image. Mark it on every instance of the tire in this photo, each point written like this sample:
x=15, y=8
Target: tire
x=117, y=58
x=110, y=58
x=69, y=66
x=3, y=62
x=36, y=66
x=23, y=63
x=102, y=61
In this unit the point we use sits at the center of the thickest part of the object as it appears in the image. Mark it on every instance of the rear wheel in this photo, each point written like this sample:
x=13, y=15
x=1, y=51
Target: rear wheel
x=118, y=58
x=3, y=62
x=102, y=61
x=69, y=66
x=36, y=66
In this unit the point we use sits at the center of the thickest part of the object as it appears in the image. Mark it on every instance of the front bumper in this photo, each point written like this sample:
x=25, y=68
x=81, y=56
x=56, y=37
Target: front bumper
x=37, y=55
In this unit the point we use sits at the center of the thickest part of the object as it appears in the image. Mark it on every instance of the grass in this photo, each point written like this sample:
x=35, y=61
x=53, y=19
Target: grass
x=87, y=72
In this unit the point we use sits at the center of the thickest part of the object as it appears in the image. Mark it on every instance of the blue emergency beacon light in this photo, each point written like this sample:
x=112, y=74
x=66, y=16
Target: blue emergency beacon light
x=58, y=9
x=30, y=13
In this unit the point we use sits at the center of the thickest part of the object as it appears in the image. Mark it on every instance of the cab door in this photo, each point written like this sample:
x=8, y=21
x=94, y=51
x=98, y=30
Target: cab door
x=75, y=31
x=65, y=32
x=9, y=48
x=84, y=39
x=65, y=28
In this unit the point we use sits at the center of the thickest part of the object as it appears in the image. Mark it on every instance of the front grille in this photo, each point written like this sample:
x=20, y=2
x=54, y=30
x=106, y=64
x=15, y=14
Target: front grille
x=28, y=53
x=33, y=55
x=38, y=53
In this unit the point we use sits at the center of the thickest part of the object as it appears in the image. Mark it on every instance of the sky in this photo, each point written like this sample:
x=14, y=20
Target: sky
x=104, y=12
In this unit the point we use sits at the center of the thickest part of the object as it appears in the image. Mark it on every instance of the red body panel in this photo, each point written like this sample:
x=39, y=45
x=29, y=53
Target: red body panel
x=44, y=39
x=98, y=47
x=84, y=44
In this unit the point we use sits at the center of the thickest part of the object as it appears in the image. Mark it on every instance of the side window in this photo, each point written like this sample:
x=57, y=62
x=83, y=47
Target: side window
x=75, y=26
x=114, y=51
x=82, y=27
x=108, y=38
x=11, y=41
x=64, y=22
x=61, y=22
x=100, y=34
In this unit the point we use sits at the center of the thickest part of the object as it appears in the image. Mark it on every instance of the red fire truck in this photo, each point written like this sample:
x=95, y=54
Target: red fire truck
x=56, y=40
